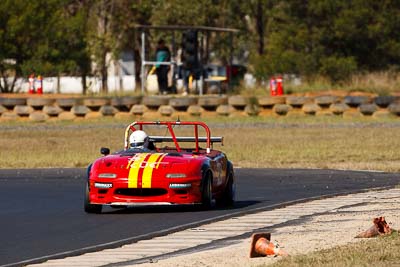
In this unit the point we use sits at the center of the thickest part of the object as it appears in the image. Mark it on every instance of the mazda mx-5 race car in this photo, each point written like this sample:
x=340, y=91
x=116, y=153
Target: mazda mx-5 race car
x=178, y=165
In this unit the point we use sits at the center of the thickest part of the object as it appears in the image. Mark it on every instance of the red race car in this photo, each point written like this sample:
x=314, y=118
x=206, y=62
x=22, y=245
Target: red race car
x=161, y=169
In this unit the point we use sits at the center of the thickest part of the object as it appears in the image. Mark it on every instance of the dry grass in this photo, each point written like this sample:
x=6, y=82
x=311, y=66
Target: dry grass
x=249, y=142
x=383, y=251
x=382, y=83
x=322, y=147
x=65, y=146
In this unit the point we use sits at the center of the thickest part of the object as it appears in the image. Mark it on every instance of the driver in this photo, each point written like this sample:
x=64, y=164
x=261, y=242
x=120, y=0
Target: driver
x=139, y=140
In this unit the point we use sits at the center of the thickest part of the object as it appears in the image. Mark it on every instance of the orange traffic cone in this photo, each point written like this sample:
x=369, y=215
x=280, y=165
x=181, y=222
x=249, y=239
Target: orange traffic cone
x=380, y=227
x=261, y=246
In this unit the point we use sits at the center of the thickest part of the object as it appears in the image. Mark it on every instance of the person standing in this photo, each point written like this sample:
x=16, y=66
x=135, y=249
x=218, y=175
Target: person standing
x=162, y=55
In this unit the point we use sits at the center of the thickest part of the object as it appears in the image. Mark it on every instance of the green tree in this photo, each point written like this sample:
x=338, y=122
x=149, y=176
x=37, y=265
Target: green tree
x=21, y=39
x=40, y=37
x=137, y=12
x=334, y=38
x=72, y=55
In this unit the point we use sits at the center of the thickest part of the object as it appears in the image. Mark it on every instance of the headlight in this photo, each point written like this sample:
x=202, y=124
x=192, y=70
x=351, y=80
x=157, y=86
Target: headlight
x=176, y=175
x=107, y=175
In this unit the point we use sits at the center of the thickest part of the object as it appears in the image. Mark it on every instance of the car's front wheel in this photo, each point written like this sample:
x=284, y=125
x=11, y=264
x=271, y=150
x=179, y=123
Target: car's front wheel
x=228, y=198
x=207, y=194
x=90, y=208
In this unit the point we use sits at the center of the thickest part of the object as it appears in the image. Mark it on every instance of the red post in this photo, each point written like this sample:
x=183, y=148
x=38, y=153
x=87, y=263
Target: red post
x=279, y=85
x=272, y=86
x=31, y=81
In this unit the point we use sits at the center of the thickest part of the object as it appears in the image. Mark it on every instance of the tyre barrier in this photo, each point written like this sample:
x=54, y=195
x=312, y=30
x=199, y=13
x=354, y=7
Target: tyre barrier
x=94, y=104
x=10, y=103
x=238, y=102
x=384, y=101
x=211, y=103
x=38, y=116
x=367, y=109
x=80, y=110
x=325, y=101
x=52, y=111
x=394, y=108
x=311, y=108
x=166, y=110
x=339, y=108
x=252, y=110
x=154, y=107
x=281, y=109
x=138, y=109
x=124, y=104
x=355, y=101
x=66, y=116
x=297, y=101
x=182, y=103
x=154, y=102
x=38, y=103
x=108, y=110
x=66, y=103
x=195, y=110
x=268, y=102
x=23, y=110
x=225, y=110
x=9, y=116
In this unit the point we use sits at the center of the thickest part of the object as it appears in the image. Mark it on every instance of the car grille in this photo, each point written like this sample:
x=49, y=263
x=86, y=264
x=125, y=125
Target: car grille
x=141, y=192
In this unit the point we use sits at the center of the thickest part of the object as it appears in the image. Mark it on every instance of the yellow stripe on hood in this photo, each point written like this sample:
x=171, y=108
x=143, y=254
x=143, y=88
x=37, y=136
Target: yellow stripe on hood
x=135, y=163
x=152, y=163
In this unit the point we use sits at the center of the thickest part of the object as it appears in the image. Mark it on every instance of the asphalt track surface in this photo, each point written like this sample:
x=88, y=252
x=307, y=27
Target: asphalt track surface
x=41, y=210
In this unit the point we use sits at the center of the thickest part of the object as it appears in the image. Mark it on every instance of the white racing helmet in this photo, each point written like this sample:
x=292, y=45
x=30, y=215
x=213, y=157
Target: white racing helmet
x=138, y=139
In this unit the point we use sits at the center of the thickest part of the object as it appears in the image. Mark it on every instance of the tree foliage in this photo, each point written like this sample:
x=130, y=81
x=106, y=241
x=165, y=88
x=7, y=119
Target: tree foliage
x=333, y=38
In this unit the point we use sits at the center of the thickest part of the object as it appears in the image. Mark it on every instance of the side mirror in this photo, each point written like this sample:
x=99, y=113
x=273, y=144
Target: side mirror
x=105, y=151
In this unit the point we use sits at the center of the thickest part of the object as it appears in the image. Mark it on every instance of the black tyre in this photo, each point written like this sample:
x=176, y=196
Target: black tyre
x=182, y=103
x=66, y=103
x=207, y=201
x=237, y=101
x=154, y=102
x=355, y=101
x=228, y=198
x=90, y=208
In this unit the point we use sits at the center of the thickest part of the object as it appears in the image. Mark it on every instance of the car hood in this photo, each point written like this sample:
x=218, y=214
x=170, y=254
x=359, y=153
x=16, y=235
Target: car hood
x=156, y=162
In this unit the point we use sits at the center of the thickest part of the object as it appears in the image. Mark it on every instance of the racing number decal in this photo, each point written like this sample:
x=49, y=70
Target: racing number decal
x=141, y=169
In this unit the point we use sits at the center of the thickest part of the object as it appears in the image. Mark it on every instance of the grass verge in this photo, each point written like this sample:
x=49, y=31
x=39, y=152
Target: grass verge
x=249, y=142
x=381, y=251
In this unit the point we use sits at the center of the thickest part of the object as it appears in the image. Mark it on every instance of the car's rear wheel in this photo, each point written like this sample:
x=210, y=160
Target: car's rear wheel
x=207, y=195
x=228, y=198
x=90, y=208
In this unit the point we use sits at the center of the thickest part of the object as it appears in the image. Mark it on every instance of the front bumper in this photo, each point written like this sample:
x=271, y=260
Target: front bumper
x=169, y=191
